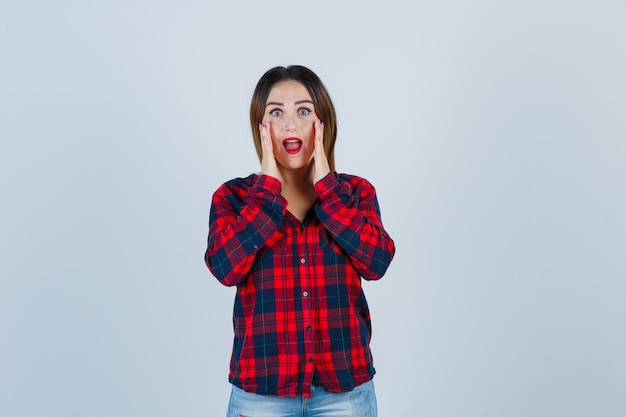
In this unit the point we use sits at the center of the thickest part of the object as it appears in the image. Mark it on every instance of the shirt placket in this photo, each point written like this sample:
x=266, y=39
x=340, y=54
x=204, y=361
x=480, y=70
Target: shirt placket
x=304, y=273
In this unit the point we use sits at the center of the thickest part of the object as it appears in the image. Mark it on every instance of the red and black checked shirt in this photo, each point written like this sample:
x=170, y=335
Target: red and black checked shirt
x=299, y=309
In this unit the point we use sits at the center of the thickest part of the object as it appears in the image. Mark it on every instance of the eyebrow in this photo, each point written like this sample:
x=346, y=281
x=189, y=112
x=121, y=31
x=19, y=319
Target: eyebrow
x=275, y=103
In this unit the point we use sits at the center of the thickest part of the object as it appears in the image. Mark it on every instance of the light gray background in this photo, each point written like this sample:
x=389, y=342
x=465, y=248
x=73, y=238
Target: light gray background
x=494, y=132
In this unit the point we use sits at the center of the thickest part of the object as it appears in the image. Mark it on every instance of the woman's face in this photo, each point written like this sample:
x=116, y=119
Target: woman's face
x=291, y=116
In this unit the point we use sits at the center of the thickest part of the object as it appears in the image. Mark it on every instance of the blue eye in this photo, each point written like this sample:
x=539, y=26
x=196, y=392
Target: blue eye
x=304, y=112
x=276, y=113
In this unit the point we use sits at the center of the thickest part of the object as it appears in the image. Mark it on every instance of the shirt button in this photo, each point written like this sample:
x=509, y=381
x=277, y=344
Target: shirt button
x=308, y=327
x=306, y=293
x=311, y=360
x=302, y=260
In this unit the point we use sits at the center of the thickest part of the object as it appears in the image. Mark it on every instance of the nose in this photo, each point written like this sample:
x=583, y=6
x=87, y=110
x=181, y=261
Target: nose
x=290, y=123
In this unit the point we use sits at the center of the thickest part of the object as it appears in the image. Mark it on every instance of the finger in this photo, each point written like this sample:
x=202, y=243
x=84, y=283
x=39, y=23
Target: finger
x=319, y=131
x=319, y=137
x=321, y=168
x=266, y=137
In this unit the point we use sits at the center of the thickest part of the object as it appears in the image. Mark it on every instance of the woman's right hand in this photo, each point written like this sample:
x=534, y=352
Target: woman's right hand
x=268, y=161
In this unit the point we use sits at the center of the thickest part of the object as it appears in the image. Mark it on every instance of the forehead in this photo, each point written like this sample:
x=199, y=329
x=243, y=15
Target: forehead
x=288, y=91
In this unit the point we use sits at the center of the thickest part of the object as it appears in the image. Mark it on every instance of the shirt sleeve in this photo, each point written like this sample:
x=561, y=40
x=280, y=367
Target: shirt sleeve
x=349, y=211
x=240, y=225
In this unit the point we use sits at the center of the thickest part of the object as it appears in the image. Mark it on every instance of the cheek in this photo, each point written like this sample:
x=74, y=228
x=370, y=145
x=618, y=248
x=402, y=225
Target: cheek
x=274, y=131
x=309, y=131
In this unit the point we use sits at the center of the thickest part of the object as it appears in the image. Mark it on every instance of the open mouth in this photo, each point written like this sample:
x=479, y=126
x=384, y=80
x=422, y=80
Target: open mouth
x=292, y=145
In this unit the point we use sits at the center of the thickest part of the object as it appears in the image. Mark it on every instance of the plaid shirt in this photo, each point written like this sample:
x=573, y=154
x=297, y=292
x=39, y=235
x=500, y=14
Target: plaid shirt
x=300, y=312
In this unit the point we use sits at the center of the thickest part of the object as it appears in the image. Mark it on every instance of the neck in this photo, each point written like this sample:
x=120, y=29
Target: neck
x=301, y=178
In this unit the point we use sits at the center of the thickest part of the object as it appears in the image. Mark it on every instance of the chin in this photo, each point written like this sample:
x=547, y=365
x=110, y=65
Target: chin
x=297, y=165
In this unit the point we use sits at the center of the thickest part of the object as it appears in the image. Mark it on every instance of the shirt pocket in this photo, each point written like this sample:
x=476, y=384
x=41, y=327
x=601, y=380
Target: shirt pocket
x=328, y=244
x=272, y=256
x=275, y=245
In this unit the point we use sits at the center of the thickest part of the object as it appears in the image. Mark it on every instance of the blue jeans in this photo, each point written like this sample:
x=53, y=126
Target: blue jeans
x=360, y=402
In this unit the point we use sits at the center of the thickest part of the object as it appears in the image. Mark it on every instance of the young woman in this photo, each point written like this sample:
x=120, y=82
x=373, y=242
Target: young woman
x=296, y=240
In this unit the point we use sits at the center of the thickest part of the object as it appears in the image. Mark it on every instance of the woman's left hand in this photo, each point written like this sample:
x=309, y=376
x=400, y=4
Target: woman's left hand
x=321, y=167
